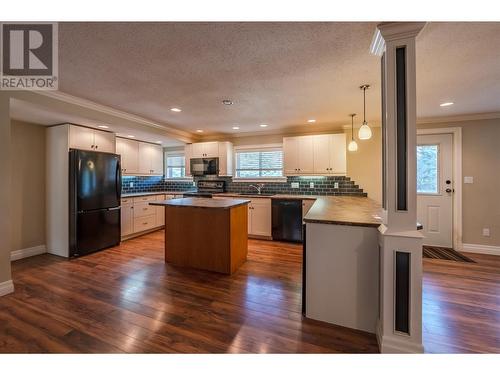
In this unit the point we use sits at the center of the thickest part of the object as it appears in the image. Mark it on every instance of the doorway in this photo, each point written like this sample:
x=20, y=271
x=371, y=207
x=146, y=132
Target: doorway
x=435, y=188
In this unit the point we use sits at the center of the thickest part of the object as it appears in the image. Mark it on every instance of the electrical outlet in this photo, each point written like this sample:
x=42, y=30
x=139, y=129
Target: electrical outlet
x=468, y=180
x=194, y=183
x=311, y=185
x=335, y=185
x=486, y=232
x=131, y=185
x=295, y=185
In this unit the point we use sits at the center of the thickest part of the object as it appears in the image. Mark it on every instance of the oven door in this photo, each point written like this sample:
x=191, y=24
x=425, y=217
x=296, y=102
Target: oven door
x=211, y=166
x=197, y=167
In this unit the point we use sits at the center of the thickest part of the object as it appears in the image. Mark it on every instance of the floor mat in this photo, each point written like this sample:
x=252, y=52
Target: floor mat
x=435, y=252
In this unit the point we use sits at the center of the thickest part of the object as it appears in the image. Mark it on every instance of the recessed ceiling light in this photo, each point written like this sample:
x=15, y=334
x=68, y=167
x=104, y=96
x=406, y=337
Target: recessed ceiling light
x=103, y=127
x=227, y=102
x=175, y=109
x=131, y=136
x=311, y=120
x=236, y=128
x=263, y=125
x=158, y=141
x=199, y=131
x=446, y=104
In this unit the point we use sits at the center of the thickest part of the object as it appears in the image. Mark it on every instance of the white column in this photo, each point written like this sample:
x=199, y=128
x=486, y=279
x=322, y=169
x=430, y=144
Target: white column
x=6, y=285
x=399, y=327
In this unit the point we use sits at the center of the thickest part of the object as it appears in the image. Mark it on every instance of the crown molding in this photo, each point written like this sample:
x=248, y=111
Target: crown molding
x=90, y=105
x=459, y=118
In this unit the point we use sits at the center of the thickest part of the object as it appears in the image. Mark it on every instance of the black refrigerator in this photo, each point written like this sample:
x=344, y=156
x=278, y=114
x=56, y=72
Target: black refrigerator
x=94, y=193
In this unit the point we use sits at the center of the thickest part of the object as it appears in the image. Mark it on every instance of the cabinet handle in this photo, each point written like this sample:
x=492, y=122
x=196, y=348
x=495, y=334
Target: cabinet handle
x=96, y=147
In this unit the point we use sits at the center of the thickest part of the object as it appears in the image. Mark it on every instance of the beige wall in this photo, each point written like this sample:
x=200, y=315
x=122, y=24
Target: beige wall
x=5, y=154
x=481, y=160
x=365, y=165
x=27, y=185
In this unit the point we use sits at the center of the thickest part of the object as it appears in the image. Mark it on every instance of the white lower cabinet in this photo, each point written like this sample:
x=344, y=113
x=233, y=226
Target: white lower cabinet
x=259, y=217
x=137, y=215
x=127, y=217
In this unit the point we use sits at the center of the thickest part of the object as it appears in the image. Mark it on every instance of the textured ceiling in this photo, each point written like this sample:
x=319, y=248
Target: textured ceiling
x=280, y=74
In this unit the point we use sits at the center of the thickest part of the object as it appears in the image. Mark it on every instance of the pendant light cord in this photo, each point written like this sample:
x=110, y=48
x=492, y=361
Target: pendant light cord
x=352, y=127
x=364, y=105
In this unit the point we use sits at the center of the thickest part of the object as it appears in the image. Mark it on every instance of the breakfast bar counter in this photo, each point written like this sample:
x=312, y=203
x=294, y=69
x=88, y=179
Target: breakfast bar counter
x=206, y=233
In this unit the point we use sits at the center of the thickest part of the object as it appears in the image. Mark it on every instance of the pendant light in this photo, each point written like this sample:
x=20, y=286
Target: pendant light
x=353, y=146
x=364, y=131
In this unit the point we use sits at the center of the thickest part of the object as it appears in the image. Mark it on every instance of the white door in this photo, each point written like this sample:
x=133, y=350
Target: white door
x=211, y=149
x=81, y=138
x=290, y=156
x=145, y=157
x=156, y=160
x=338, y=162
x=435, y=188
x=104, y=141
x=305, y=155
x=321, y=154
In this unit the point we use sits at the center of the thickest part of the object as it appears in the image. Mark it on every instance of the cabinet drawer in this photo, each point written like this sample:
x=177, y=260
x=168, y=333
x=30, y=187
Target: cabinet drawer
x=147, y=198
x=145, y=223
x=143, y=209
x=127, y=201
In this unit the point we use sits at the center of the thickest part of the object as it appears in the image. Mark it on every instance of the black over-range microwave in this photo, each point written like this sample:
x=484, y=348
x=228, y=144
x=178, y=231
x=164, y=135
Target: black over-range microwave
x=204, y=166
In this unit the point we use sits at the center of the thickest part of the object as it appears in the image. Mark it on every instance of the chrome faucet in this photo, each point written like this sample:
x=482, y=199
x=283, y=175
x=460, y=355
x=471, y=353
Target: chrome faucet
x=257, y=187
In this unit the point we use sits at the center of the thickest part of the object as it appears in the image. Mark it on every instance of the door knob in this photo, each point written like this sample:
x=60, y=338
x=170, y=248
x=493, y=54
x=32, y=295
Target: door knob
x=448, y=182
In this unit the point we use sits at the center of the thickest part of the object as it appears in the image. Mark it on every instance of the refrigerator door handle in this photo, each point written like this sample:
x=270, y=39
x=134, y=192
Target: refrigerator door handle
x=114, y=208
x=118, y=180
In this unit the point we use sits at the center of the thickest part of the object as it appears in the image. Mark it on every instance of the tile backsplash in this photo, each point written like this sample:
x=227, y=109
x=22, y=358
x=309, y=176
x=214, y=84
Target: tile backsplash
x=322, y=185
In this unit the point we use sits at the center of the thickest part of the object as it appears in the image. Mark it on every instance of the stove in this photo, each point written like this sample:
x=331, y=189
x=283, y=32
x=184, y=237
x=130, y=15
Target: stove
x=206, y=189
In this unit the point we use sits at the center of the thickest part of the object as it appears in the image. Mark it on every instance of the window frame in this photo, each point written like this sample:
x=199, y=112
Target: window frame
x=258, y=148
x=168, y=154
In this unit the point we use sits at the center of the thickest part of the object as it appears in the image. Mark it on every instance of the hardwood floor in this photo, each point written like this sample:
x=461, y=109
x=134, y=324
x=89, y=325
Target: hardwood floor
x=461, y=305
x=126, y=299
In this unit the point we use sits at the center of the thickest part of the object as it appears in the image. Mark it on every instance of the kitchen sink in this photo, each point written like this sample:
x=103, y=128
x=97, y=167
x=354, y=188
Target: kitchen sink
x=260, y=195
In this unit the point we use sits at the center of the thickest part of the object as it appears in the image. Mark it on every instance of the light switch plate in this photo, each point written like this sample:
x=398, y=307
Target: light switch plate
x=468, y=180
x=311, y=185
x=131, y=185
x=336, y=185
x=194, y=183
x=486, y=232
x=295, y=185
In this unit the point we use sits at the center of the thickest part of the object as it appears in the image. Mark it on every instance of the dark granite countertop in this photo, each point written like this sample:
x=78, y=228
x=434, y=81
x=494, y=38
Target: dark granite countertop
x=345, y=210
x=202, y=203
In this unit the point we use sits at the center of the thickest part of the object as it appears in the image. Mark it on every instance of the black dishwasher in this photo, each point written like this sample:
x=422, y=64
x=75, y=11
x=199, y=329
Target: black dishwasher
x=287, y=220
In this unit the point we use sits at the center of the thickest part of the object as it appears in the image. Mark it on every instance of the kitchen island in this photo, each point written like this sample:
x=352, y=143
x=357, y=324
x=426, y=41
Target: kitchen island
x=206, y=234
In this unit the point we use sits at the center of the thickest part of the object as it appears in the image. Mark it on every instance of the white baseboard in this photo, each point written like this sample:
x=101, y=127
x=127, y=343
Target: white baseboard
x=28, y=252
x=481, y=249
x=6, y=287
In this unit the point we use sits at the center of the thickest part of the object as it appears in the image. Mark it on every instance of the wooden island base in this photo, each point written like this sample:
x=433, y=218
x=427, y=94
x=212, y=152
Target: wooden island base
x=211, y=236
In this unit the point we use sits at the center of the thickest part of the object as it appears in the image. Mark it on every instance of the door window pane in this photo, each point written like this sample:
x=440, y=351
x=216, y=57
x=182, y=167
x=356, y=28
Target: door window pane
x=427, y=169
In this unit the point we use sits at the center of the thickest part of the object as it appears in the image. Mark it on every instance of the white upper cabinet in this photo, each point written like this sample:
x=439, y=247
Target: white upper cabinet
x=323, y=154
x=140, y=158
x=188, y=152
x=221, y=150
x=225, y=158
x=129, y=151
x=205, y=150
x=90, y=139
x=150, y=159
x=338, y=154
x=298, y=155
